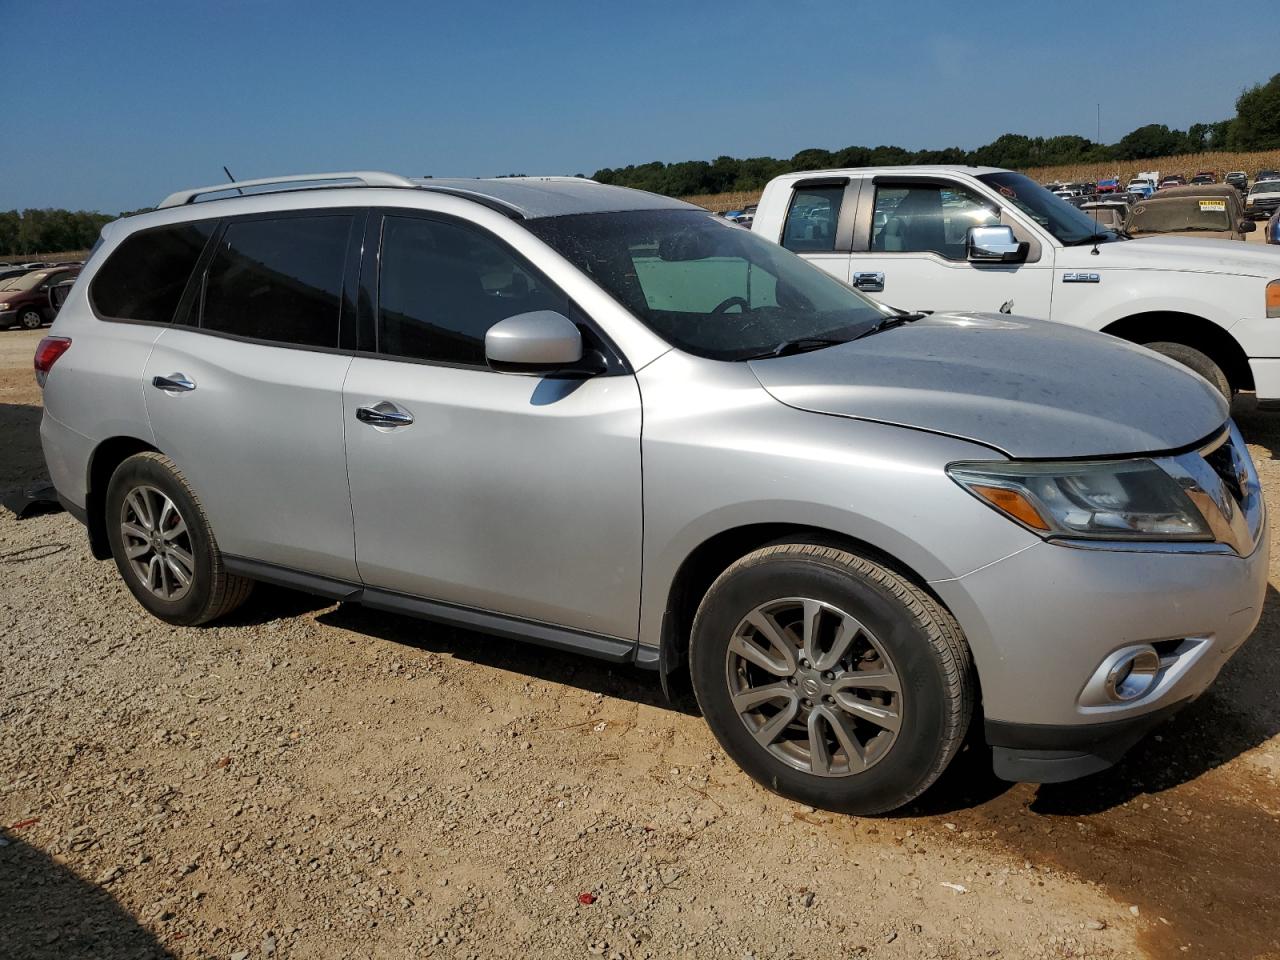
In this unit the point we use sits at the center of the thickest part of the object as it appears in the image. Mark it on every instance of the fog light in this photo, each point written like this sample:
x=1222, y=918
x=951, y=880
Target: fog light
x=1133, y=673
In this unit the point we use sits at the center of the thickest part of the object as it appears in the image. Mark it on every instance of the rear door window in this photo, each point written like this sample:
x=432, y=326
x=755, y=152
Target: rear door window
x=144, y=278
x=812, y=219
x=278, y=280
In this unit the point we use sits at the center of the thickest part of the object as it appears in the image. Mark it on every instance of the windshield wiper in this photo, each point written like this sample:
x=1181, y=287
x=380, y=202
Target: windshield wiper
x=897, y=320
x=800, y=345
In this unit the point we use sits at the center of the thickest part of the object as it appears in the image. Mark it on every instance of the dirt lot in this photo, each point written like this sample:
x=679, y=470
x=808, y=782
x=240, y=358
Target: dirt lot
x=311, y=781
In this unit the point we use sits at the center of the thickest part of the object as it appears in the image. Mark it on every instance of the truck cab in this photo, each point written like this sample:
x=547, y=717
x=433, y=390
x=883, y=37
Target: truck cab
x=989, y=240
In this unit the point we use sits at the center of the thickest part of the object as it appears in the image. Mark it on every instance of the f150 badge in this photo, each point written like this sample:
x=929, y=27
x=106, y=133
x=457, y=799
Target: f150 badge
x=1071, y=277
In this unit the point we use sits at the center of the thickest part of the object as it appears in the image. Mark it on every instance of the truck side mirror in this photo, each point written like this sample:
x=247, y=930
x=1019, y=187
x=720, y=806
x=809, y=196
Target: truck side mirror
x=1247, y=226
x=994, y=244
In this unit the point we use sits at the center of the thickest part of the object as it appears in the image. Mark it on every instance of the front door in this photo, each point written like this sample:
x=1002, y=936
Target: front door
x=518, y=495
x=916, y=240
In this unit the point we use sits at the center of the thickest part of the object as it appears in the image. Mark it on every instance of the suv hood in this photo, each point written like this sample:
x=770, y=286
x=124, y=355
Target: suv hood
x=1213, y=254
x=1028, y=388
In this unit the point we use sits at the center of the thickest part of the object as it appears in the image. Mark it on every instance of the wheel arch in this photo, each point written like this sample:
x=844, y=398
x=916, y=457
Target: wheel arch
x=1190, y=330
x=702, y=565
x=106, y=457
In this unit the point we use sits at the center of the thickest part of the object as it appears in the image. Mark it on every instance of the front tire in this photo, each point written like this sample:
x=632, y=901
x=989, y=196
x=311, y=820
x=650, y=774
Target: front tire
x=163, y=545
x=31, y=319
x=831, y=679
x=1195, y=360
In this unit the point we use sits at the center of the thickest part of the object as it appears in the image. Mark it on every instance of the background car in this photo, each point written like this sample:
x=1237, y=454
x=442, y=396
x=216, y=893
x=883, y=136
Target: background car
x=1238, y=179
x=1263, y=199
x=1110, y=213
x=1204, y=178
x=1191, y=211
x=24, y=299
x=1273, y=227
x=1109, y=185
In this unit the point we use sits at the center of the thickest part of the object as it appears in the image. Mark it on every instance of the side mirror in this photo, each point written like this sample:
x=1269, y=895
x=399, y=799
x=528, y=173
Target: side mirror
x=541, y=341
x=1247, y=226
x=994, y=244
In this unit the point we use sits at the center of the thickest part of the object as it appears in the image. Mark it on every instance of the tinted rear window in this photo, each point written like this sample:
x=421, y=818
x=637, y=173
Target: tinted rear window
x=145, y=276
x=278, y=280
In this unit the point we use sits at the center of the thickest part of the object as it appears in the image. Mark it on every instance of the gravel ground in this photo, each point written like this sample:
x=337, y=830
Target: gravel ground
x=310, y=780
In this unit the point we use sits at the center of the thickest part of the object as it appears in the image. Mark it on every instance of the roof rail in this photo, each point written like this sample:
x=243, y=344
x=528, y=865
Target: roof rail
x=363, y=178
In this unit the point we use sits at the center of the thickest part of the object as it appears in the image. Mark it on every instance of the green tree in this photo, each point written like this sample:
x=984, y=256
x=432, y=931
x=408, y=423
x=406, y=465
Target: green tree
x=1257, y=123
x=1153, y=140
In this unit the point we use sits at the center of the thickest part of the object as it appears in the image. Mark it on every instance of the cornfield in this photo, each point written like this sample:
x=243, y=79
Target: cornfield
x=1187, y=164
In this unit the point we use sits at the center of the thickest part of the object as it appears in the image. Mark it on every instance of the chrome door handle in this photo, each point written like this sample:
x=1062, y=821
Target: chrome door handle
x=869, y=282
x=384, y=414
x=174, y=383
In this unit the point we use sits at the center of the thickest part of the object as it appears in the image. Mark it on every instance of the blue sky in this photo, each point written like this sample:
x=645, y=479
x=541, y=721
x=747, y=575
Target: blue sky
x=141, y=98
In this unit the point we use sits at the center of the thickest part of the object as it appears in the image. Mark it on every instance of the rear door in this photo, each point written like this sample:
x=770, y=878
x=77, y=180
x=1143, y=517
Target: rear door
x=911, y=235
x=819, y=222
x=517, y=495
x=246, y=395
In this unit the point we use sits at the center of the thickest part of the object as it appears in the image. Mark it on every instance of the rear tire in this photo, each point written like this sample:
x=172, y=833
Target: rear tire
x=163, y=545
x=1195, y=360
x=865, y=732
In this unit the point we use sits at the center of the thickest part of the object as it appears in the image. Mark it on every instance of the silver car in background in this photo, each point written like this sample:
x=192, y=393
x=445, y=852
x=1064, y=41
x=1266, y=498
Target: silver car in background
x=611, y=422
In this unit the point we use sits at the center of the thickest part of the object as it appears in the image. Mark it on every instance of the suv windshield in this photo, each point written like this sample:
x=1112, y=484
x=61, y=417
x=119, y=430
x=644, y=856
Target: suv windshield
x=707, y=286
x=1070, y=225
x=1266, y=186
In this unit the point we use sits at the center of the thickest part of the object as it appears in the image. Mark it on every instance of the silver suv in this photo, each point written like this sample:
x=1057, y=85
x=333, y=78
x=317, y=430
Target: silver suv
x=612, y=422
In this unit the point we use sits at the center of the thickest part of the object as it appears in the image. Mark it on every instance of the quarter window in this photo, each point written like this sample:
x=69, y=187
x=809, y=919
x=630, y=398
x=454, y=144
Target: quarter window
x=927, y=218
x=811, y=221
x=442, y=285
x=145, y=276
x=278, y=280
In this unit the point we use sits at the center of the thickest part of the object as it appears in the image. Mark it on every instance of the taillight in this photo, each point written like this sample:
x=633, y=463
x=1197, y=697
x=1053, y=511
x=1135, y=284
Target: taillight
x=47, y=353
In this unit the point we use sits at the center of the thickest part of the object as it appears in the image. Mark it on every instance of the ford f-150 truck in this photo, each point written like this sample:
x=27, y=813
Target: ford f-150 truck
x=990, y=240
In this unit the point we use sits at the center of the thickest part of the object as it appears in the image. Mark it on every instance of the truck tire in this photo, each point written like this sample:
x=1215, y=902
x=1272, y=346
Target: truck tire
x=163, y=545
x=1195, y=360
x=830, y=679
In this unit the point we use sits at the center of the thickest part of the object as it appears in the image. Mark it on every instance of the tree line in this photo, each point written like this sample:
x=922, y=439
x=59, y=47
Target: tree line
x=1256, y=126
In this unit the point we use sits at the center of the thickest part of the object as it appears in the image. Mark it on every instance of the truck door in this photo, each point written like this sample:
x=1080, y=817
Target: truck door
x=909, y=251
x=819, y=223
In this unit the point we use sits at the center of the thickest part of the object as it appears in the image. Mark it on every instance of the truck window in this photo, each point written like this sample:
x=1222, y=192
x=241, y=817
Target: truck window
x=927, y=218
x=811, y=221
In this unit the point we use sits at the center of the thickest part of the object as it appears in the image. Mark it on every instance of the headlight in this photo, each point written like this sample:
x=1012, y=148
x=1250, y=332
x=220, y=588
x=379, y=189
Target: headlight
x=4, y=306
x=1103, y=500
x=1273, y=298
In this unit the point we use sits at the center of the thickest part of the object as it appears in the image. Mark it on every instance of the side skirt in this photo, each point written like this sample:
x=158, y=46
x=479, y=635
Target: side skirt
x=602, y=647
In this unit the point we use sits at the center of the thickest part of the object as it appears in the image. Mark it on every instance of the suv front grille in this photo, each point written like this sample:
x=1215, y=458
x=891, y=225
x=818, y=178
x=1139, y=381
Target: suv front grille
x=1223, y=460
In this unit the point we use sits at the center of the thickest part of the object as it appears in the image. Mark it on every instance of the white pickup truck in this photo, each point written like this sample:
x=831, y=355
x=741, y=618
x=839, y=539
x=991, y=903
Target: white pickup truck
x=983, y=239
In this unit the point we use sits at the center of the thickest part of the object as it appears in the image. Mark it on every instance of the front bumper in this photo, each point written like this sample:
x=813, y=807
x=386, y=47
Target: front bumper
x=1041, y=621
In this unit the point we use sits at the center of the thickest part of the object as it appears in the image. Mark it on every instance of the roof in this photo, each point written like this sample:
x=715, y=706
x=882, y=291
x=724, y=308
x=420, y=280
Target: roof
x=1197, y=190
x=905, y=169
x=533, y=197
x=525, y=197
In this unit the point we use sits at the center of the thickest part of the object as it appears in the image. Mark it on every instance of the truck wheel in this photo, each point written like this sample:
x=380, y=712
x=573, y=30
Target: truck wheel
x=30, y=319
x=163, y=545
x=1197, y=361
x=830, y=679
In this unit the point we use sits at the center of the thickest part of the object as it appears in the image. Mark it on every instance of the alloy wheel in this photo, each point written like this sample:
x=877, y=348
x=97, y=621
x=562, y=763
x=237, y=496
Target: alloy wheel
x=814, y=687
x=157, y=543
